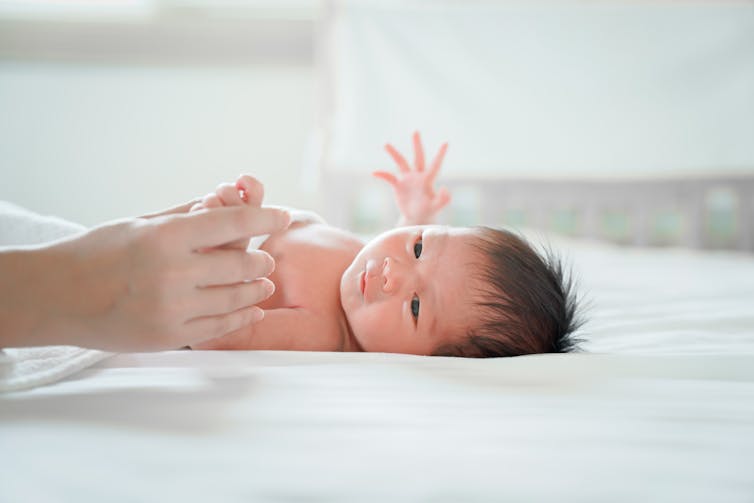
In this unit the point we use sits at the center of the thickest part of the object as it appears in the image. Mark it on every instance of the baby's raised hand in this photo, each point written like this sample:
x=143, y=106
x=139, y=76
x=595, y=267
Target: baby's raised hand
x=246, y=190
x=414, y=189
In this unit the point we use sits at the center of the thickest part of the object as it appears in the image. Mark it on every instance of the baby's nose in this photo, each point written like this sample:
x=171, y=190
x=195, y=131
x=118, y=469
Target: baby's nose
x=390, y=275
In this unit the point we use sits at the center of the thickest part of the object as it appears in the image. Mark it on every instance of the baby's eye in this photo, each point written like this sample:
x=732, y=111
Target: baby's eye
x=415, y=307
x=418, y=248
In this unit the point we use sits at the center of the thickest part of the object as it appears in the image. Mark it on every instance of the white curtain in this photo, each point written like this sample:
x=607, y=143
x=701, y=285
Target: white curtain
x=545, y=88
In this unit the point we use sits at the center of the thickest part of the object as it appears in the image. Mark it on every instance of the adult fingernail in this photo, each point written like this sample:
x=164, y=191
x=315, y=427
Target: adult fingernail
x=257, y=314
x=270, y=263
x=284, y=219
x=269, y=287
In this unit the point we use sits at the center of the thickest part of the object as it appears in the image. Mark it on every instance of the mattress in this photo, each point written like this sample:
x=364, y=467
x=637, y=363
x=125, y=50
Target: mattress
x=658, y=407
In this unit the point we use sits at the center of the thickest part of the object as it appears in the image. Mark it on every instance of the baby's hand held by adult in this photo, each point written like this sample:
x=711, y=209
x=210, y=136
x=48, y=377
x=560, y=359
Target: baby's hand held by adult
x=246, y=191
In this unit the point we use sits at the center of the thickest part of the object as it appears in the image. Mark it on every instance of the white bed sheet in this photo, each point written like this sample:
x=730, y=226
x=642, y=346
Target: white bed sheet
x=661, y=408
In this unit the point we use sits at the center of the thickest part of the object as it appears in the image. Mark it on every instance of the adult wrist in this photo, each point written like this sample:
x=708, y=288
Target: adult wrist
x=36, y=299
x=22, y=301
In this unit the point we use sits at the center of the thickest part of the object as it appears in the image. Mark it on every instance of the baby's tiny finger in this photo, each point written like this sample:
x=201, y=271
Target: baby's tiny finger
x=434, y=168
x=388, y=177
x=211, y=201
x=442, y=198
x=252, y=188
x=398, y=158
x=418, y=152
x=228, y=194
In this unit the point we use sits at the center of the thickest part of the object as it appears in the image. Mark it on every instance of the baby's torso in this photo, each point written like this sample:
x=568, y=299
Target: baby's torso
x=309, y=261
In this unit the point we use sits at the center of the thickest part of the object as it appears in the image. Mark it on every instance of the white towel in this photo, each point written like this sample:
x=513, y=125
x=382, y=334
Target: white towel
x=24, y=368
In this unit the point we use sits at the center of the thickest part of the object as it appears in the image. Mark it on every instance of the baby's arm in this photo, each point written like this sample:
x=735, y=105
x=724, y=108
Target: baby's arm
x=295, y=329
x=414, y=187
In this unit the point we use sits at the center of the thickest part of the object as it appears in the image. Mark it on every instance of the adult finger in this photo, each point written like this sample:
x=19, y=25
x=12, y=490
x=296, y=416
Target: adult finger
x=230, y=266
x=434, y=168
x=219, y=300
x=253, y=189
x=211, y=327
x=182, y=208
x=418, y=152
x=388, y=177
x=228, y=194
x=218, y=226
x=398, y=158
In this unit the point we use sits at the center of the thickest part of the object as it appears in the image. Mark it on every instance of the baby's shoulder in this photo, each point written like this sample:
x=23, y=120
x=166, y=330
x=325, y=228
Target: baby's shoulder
x=313, y=237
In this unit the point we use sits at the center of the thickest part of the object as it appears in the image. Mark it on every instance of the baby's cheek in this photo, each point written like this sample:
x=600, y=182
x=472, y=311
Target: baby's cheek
x=361, y=325
x=377, y=328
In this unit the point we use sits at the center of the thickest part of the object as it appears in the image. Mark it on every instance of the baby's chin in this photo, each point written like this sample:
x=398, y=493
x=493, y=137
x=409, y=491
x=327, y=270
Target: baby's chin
x=349, y=297
x=347, y=285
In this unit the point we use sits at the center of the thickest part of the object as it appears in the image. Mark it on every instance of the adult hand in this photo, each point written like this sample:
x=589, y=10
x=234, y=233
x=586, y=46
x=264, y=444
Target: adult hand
x=139, y=284
x=247, y=190
x=414, y=187
x=175, y=210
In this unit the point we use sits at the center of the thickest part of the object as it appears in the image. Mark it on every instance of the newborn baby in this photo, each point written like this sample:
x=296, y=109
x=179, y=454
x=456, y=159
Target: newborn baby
x=419, y=289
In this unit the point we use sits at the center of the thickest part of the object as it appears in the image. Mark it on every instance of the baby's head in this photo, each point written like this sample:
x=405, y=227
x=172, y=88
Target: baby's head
x=475, y=292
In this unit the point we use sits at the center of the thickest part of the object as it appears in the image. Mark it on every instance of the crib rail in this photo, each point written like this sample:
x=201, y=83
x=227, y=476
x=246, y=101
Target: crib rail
x=708, y=213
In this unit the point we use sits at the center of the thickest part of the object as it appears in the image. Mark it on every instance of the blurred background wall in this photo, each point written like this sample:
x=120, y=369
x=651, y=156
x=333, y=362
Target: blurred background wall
x=622, y=120
x=548, y=89
x=112, y=109
x=117, y=108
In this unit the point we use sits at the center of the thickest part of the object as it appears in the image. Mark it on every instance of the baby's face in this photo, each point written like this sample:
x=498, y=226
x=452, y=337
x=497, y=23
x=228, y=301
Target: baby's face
x=409, y=290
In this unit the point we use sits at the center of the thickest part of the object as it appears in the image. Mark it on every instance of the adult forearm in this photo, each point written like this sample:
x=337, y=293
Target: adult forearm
x=30, y=298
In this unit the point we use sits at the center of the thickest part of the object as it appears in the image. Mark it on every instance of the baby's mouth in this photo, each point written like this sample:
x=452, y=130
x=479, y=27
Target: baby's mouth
x=362, y=282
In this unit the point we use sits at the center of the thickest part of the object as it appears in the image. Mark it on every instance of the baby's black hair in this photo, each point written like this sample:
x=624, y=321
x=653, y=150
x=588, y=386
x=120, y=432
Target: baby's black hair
x=527, y=305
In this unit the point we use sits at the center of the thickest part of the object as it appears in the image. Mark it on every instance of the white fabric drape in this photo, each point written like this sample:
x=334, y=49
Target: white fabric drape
x=546, y=88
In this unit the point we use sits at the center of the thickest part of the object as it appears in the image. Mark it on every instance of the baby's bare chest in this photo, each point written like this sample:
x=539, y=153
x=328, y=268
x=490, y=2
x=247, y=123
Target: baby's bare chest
x=309, y=262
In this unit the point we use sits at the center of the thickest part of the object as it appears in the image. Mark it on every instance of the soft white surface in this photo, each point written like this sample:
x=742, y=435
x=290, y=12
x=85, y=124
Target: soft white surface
x=26, y=368
x=661, y=410
x=19, y=226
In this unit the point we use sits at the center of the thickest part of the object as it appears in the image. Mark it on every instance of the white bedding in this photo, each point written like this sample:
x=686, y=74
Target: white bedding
x=660, y=408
